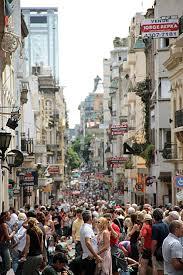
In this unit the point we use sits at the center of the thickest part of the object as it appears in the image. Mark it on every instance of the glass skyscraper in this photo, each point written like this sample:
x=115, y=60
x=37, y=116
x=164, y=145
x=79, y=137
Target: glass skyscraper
x=41, y=45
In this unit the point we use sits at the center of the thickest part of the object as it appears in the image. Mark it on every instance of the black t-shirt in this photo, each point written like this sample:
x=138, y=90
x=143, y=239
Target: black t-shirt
x=160, y=231
x=35, y=242
x=56, y=218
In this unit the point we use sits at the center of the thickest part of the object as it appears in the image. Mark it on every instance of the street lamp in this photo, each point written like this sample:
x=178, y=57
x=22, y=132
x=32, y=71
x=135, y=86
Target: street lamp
x=5, y=139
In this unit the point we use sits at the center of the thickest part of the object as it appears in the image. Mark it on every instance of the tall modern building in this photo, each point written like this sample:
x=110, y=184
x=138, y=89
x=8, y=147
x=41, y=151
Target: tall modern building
x=42, y=43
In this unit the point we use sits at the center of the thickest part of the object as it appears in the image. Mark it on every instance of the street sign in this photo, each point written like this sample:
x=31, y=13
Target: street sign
x=179, y=181
x=160, y=28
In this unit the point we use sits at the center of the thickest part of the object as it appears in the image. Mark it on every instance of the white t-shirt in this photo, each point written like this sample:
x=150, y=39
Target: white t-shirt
x=21, y=237
x=86, y=231
x=14, y=219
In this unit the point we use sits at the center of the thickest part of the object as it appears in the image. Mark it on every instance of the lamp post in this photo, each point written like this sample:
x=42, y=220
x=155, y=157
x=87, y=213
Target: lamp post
x=21, y=176
x=5, y=139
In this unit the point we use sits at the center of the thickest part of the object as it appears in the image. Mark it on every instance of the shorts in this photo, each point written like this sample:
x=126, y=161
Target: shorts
x=146, y=254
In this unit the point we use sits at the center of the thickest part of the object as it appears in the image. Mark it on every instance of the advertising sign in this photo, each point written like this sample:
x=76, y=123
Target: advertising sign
x=119, y=129
x=160, y=27
x=30, y=178
x=115, y=162
x=179, y=181
x=53, y=169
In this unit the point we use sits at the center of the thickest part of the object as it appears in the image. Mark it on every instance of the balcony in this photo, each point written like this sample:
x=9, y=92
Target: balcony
x=172, y=152
x=52, y=147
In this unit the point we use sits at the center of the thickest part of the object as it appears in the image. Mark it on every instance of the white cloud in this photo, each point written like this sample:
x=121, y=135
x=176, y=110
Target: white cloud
x=86, y=32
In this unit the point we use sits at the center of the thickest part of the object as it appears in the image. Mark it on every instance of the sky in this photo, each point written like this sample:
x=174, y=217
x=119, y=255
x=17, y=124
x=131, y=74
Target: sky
x=86, y=32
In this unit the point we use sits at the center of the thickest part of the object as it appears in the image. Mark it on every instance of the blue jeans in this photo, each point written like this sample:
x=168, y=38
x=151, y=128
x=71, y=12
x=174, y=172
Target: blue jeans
x=6, y=258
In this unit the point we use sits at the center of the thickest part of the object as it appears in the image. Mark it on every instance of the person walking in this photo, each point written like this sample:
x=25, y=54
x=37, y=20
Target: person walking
x=5, y=239
x=145, y=244
x=33, y=251
x=89, y=245
x=160, y=231
x=104, y=250
x=173, y=250
x=76, y=226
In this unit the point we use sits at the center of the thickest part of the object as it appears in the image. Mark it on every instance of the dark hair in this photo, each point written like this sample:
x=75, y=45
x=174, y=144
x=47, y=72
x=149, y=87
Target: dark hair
x=157, y=214
x=78, y=210
x=41, y=217
x=86, y=215
x=3, y=217
x=134, y=217
x=60, y=257
x=36, y=206
x=12, y=209
x=174, y=225
x=31, y=214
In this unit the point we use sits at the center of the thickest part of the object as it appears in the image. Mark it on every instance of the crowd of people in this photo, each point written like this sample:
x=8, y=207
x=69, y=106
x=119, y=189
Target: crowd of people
x=92, y=239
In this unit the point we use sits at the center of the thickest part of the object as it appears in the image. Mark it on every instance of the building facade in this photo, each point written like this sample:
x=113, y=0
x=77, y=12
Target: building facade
x=42, y=43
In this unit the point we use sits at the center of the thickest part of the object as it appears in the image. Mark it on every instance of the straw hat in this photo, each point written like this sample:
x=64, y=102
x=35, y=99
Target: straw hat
x=147, y=217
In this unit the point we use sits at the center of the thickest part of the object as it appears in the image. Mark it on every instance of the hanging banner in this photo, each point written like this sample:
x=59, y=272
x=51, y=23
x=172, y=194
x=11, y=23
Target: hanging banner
x=179, y=181
x=160, y=28
x=119, y=129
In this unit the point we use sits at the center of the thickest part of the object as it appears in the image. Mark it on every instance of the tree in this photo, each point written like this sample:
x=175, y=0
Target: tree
x=73, y=159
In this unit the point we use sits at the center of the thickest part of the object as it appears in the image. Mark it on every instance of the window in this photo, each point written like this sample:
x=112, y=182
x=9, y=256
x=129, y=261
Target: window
x=164, y=43
x=119, y=58
x=38, y=19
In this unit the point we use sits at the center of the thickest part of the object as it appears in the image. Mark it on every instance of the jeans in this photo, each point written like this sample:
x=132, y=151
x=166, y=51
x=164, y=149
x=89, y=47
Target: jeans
x=78, y=249
x=88, y=266
x=6, y=258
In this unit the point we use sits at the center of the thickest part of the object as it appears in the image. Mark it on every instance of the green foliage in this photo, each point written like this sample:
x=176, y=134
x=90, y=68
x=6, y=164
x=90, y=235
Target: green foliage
x=146, y=151
x=82, y=149
x=129, y=164
x=148, y=154
x=73, y=159
x=76, y=146
x=143, y=90
x=86, y=150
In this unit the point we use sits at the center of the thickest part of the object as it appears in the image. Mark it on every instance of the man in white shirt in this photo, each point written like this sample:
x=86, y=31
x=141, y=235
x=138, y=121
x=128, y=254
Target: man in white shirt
x=89, y=245
x=173, y=250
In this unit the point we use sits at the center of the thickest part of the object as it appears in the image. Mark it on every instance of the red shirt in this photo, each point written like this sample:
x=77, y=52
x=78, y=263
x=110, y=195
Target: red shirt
x=146, y=233
x=113, y=240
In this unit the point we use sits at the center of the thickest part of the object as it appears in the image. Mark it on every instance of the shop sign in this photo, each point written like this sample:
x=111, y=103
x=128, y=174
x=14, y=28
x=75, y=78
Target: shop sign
x=119, y=129
x=160, y=28
x=53, y=169
x=116, y=162
x=179, y=181
x=30, y=178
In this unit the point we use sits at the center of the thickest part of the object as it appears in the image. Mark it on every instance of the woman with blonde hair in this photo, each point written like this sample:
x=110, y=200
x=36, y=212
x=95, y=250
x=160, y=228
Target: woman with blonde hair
x=104, y=250
x=32, y=254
